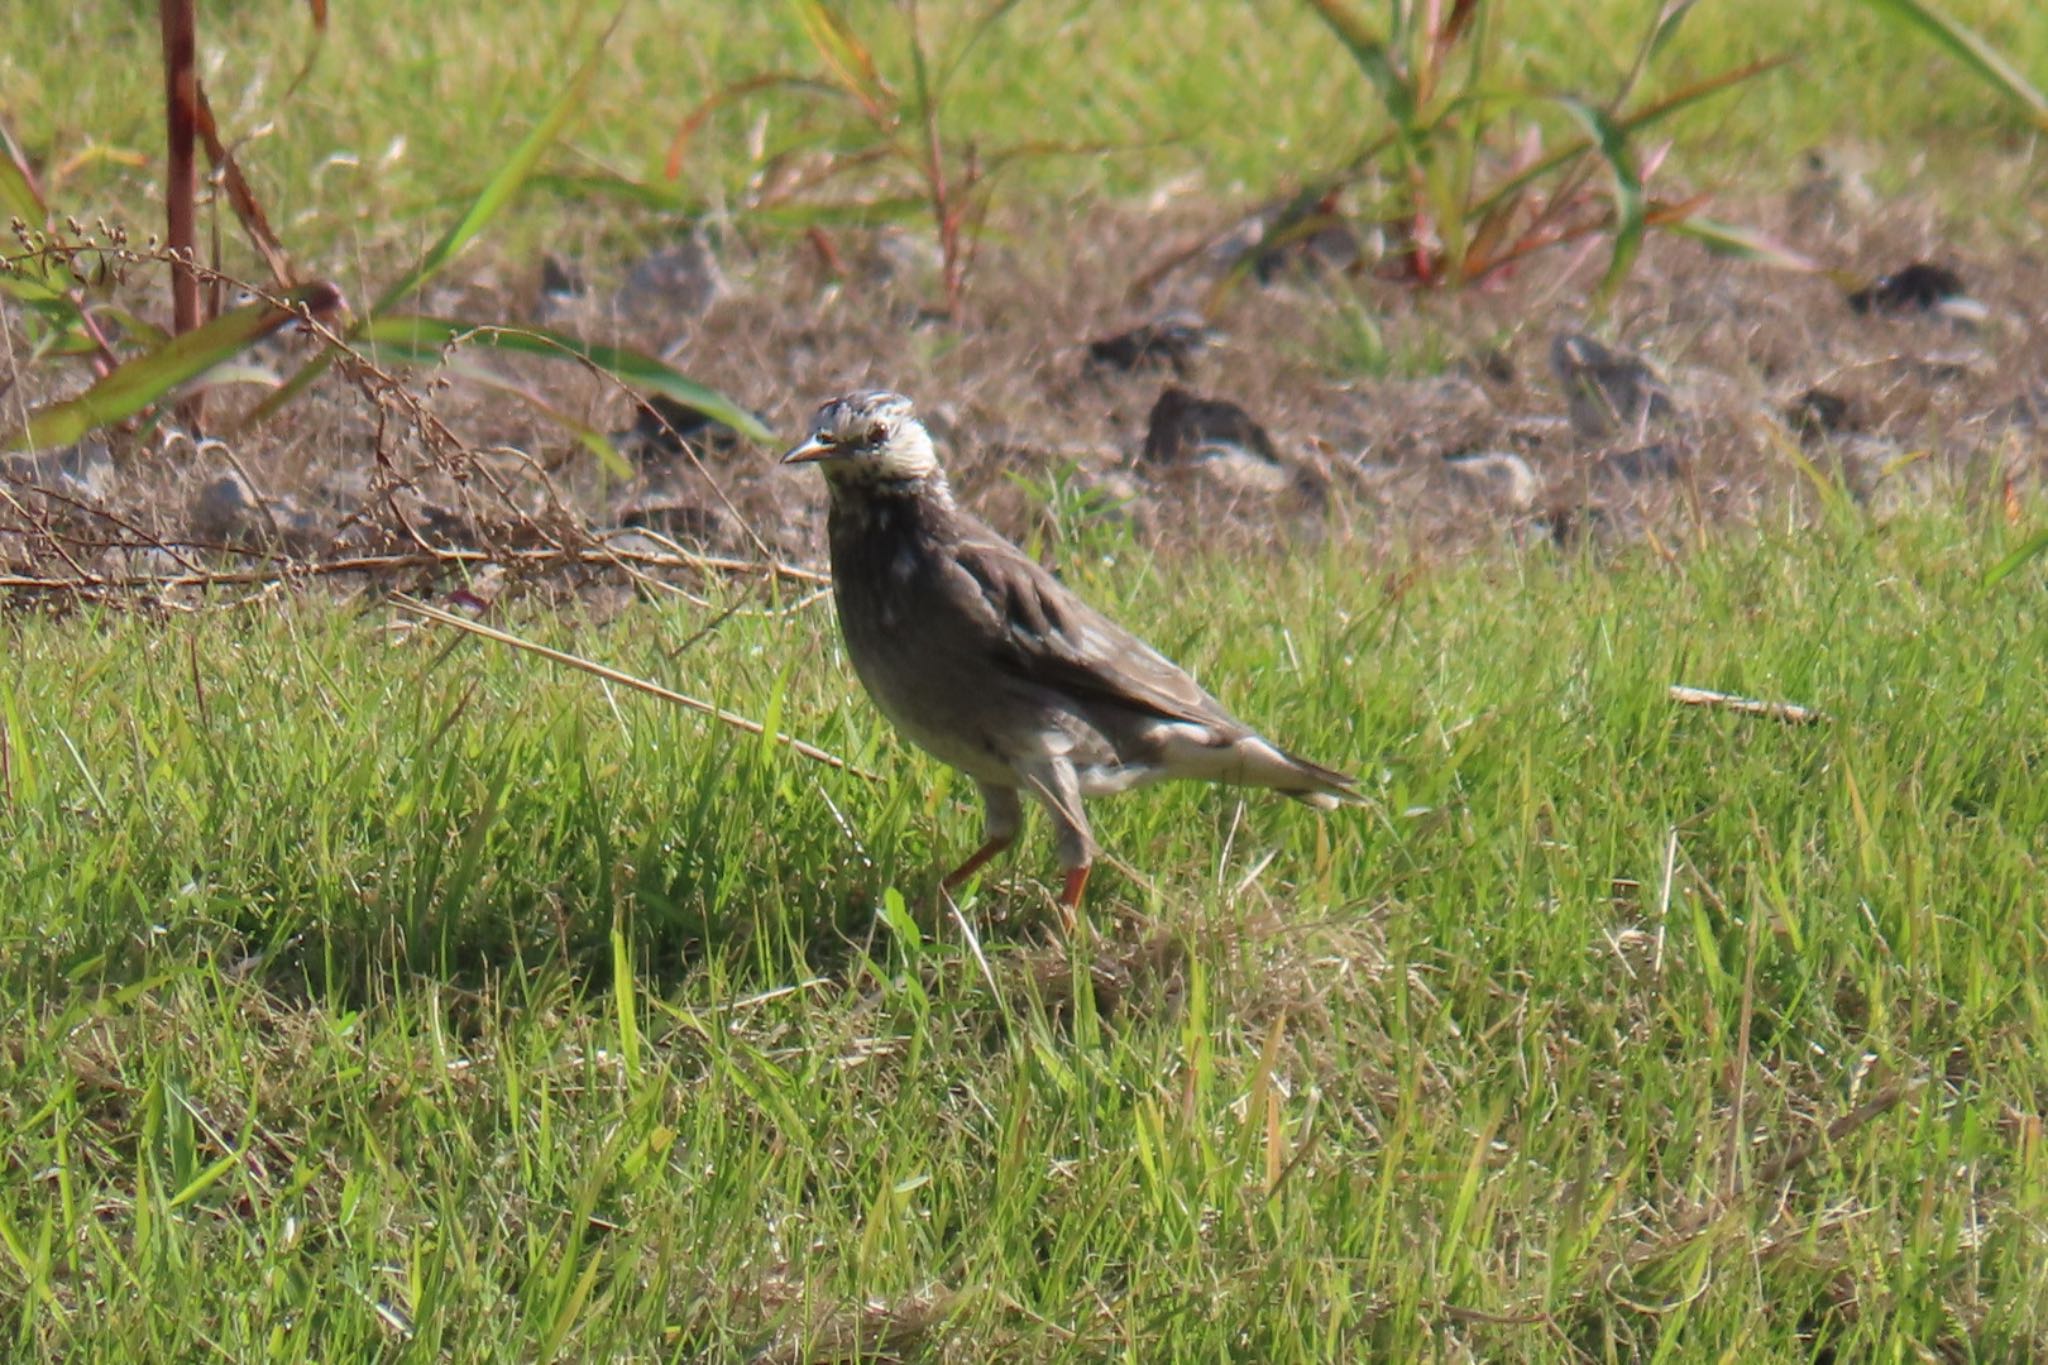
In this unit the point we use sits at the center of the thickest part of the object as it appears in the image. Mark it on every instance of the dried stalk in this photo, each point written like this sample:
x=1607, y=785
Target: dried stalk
x=718, y=713
x=1789, y=712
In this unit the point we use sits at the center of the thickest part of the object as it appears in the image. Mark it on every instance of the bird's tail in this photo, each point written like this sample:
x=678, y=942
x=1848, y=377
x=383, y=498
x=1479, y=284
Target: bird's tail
x=1253, y=761
x=1248, y=760
x=1323, y=788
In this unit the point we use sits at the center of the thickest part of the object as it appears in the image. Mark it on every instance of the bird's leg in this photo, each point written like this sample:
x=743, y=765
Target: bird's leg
x=1070, y=895
x=1059, y=789
x=1003, y=817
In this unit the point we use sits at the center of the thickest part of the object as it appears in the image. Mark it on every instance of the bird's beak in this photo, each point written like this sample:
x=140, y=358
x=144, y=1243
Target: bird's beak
x=811, y=450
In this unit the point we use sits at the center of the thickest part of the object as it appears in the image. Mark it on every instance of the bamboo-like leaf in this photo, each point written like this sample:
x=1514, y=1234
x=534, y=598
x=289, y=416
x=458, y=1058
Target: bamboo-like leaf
x=846, y=56
x=136, y=384
x=622, y=1000
x=1666, y=26
x=65, y=340
x=30, y=284
x=489, y=202
x=138, y=331
x=563, y=186
x=797, y=216
x=2031, y=547
x=1612, y=144
x=1370, y=50
x=19, y=197
x=1969, y=47
x=416, y=338
x=233, y=372
x=1746, y=244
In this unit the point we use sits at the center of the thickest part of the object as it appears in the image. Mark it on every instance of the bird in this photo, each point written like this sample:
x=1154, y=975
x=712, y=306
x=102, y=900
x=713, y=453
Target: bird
x=978, y=655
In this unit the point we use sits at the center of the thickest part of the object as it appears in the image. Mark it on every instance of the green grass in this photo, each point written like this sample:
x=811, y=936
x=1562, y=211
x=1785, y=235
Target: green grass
x=368, y=995
x=412, y=103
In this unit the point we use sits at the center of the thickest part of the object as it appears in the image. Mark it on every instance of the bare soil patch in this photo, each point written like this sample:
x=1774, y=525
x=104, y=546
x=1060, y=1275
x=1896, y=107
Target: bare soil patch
x=1716, y=393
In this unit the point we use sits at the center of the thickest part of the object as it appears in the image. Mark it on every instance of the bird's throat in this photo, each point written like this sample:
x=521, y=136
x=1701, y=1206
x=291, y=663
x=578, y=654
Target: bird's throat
x=875, y=487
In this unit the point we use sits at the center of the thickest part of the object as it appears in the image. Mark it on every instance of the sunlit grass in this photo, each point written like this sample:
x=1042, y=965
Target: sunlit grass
x=411, y=105
x=309, y=928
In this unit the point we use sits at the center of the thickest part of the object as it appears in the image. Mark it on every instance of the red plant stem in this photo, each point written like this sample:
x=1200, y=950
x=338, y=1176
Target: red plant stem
x=181, y=180
x=942, y=212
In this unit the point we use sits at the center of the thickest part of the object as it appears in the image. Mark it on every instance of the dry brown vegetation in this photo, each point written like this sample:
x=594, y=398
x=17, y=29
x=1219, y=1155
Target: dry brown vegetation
x=1373, y=393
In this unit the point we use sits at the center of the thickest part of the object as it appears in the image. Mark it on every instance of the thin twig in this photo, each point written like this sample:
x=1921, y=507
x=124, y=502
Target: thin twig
x=284, y=568
x=595, y=669
x=1790, y=712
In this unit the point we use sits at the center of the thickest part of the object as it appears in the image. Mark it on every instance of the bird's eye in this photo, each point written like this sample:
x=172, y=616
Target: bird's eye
x=876, y=435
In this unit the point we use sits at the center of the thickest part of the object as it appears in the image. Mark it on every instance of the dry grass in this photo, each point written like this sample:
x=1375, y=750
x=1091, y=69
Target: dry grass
x=1368, y=388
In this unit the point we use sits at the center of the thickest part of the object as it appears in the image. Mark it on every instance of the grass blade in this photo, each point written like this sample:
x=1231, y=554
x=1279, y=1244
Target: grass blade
x=499, y=190
x=489, y=202
x=1612, y=143
x=1746, y=244
x=600, y=187
x=2005, y=568
x=1969, y=48
x=135, y=385
x=622, y=1002
x=1369, y=50
x=849, y=60
x=19, y=197
x=417, y=338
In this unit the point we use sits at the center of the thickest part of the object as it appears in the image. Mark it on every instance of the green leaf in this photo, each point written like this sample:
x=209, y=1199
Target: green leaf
x=896, y=914
x=417, y=338
x=1746, y=244
x=851, y=63
x=2032, y=546
x=797, y=216
x=1969, y=48
x=1370, y=51
x=135, y=385
x=1612, y=144
x=560, y=187
x=622, y=1002
x=18, y=197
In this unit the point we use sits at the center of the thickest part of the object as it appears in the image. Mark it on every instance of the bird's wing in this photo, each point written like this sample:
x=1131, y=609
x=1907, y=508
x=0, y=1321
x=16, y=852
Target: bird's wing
x=1042, y=631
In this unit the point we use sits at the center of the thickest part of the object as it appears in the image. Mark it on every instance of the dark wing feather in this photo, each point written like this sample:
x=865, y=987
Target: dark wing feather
x=1046, y=634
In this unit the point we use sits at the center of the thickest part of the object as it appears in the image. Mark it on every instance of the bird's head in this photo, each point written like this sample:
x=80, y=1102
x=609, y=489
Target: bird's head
x=866, y=438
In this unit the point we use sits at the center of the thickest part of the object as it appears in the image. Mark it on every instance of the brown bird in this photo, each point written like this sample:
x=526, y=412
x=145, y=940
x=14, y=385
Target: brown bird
x=987, y=662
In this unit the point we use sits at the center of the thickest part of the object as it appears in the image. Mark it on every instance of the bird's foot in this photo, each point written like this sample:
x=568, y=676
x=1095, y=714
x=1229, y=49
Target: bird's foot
x=1070, y=897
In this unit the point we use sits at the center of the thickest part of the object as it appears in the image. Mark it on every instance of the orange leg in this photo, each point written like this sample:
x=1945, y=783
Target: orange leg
x=975, y=862
x=1070, y=894
x=1004, y=818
